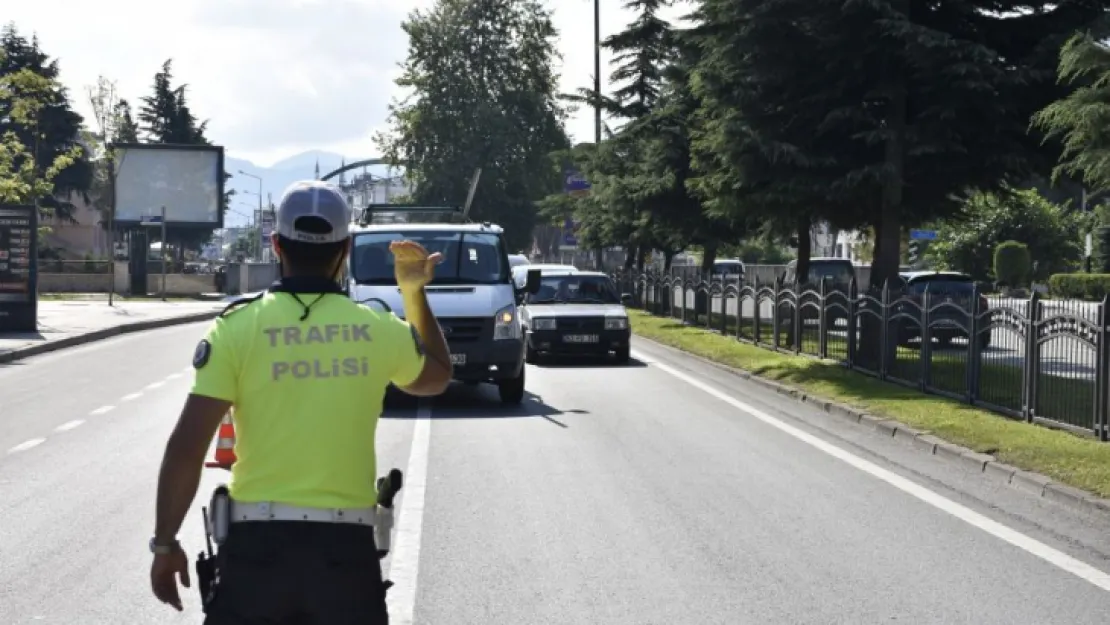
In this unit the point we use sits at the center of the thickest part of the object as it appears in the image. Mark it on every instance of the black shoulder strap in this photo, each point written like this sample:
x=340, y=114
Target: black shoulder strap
x=242, y=301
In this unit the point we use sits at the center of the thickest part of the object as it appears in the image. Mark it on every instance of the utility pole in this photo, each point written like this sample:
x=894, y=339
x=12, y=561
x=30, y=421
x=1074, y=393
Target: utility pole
x=599, y=253
x=597, y=71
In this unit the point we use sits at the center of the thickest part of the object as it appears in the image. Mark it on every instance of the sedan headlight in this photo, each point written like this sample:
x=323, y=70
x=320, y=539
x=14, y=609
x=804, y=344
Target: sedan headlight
x=506, y=325
x=543, y=324
x=616, y=323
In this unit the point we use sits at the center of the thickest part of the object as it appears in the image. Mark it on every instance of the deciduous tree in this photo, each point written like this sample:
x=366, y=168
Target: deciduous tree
x=483, y=94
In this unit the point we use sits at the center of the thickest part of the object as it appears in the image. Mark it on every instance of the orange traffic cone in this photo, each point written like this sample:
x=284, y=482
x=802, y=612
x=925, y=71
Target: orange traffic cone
x=225, y=445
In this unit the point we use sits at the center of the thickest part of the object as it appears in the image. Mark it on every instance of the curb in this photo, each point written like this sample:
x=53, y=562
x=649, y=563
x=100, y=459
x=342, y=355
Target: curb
x=20, y=353
x=1028, y=481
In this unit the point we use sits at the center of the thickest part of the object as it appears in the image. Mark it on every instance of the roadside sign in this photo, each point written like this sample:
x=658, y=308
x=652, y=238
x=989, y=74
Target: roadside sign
x=18, y=268
x=923, y=235
x=151, y=220
x=574, y=183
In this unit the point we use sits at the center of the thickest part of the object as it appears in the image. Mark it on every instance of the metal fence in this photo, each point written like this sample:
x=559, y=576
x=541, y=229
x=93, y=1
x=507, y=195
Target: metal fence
x=1029, y=359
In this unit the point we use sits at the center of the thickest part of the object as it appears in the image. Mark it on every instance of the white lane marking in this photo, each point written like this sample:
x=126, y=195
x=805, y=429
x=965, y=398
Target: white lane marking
x=131, y=397
x=173, y=376
x=405, y=559
x=101, y=410
x=69, y=425
x=1052, y=556
x=187, y=369
x=25, y=445
x=154, y=385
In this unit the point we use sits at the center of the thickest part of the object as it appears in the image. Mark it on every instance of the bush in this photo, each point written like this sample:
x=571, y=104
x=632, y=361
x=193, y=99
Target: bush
x=1012, y=263
x=1102, y=249
x=967, y=243
x=1087, y=286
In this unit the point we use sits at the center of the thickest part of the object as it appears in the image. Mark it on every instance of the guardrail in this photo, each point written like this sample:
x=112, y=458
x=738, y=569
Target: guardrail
x=1045, y=362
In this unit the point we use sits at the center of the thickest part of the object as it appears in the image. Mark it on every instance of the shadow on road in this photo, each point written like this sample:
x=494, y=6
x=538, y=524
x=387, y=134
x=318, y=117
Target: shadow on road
x=585, y=362
x=461, y=401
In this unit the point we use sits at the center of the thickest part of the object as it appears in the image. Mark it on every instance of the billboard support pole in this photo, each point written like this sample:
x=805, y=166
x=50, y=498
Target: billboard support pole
x=112, y=225
x=162, y=251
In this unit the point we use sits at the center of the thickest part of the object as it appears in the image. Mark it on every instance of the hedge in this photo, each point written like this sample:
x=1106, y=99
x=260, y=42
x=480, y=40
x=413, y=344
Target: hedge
x=1088, y=286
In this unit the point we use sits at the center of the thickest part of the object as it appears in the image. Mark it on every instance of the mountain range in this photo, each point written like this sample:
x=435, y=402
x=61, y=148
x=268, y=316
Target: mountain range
x=277, y=177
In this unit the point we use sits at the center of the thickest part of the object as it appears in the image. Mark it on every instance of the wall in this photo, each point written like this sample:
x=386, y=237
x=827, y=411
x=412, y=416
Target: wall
x=176, y=283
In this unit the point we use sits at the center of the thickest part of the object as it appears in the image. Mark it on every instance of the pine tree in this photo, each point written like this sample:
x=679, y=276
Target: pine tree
x=127, y=131
x=640, y=52
x=1080, y=119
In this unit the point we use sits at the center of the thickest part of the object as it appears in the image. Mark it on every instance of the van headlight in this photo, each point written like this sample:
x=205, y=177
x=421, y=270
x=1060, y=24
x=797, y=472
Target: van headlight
x=506, y=324
x=616, y=323
x=543, y=324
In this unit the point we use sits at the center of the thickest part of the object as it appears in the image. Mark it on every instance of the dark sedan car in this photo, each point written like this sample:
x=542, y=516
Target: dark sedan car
x=945, y=322
x=577, y=314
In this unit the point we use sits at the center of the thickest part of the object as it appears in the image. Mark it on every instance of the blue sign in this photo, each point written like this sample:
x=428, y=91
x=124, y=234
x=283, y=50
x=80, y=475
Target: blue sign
x=923, y=235
x=151, y=220
x=574, y=183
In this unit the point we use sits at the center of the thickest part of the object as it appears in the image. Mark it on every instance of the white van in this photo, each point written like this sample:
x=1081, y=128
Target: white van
x=472, y=296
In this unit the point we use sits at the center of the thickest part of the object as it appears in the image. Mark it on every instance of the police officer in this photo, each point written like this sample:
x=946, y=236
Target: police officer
x=306, y=370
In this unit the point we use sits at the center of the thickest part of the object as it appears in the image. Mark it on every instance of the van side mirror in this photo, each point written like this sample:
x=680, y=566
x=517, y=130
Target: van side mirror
x=532, y=286
x=626, y=299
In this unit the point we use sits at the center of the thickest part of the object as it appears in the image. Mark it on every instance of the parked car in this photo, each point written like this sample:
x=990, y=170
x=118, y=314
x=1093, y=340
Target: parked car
x=576, y=313
x=838, y=274
x=946, y=322
x=730, y=270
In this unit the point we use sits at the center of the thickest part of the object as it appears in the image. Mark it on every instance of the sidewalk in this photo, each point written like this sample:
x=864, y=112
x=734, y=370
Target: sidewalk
x=67, y=323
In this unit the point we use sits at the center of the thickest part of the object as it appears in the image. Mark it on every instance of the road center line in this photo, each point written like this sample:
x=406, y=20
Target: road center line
x=405, y=558
x=1029, y=544
x=131, y=396
x=101, y=410
x=25, y=445
x=69, y=425
x=154, y=385
x=173, y=376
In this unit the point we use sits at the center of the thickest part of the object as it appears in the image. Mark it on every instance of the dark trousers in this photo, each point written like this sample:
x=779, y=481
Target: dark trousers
x=299, y=573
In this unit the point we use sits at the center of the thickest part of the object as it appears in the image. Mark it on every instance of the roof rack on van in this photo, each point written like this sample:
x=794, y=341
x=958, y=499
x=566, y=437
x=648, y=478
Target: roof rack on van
x=410, y=213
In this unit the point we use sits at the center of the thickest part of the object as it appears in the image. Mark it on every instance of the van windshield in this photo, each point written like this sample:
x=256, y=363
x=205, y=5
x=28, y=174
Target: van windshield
x=468, y=257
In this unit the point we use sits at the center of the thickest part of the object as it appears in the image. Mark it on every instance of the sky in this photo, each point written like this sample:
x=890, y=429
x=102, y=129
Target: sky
x=274, y=77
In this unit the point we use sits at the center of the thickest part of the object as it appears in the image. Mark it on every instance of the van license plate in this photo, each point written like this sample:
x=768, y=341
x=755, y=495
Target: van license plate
x=580, y=338
x=458, y=359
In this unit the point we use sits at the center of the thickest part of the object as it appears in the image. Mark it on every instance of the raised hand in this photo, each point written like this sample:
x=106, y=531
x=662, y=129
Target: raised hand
x=413, y=266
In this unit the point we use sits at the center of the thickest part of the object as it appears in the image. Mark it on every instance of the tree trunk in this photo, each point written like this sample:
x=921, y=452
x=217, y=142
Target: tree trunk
x=801, y=275
x=630, y=255
x=702, y=300
x=805, y=250
x=888, y=230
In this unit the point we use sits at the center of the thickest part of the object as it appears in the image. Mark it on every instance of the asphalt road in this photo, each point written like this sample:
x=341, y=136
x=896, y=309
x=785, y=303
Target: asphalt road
x=616, y=495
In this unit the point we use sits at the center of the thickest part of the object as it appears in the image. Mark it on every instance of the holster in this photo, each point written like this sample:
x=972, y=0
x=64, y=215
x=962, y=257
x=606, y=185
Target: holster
x=217, y=522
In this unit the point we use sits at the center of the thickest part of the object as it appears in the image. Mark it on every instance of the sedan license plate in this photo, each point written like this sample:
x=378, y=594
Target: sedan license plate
x=580, y=338
x=458, y=359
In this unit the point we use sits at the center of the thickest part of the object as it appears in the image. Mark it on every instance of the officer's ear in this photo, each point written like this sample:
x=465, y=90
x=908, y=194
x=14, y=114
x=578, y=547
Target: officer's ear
x=275, y=242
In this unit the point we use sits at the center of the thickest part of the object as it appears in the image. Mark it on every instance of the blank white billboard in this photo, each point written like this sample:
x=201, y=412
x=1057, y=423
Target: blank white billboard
x=187, y=182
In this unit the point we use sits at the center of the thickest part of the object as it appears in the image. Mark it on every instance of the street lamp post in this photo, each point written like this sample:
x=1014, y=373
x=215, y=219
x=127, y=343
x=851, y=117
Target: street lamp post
x=258, y=219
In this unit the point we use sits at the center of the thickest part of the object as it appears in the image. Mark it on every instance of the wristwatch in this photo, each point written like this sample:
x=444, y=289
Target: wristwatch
x=163, y=550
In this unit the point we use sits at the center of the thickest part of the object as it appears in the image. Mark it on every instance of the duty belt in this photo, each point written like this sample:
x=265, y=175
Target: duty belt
x=271, y=511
